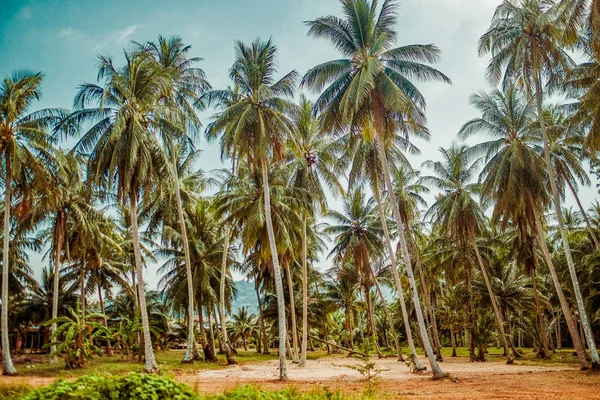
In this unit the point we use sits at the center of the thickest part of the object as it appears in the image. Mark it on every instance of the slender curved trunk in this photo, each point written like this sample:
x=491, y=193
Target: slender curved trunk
x=388, y=317
x=104, y=320
x=563, y=233
x=583, y=214
x=82, y=286
x=151, y=365
x=349, y=328
x=304, y=295
x=497, y=314
x=434, y=327
x=201, y=323
x=294, y=352
x=558, y=334
x=263, y=331
x=377, y=112
x=470, y=317
x=189, y=356
x=571, y=324
x=544, y=352
x=399, y=290
x=222, y=313
x=59, y=232
x=453, y=341
x=277, y=271
x=7, y=365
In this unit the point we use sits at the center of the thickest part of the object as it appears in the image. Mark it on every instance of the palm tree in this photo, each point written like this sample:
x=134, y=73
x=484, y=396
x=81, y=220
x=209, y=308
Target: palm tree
x=372, y=83
x=523, y=40
x=243, y=325
x=567, y=153
x=357, y=242
x=578, y=15
x=24, y=145
x=514, y=179
x=459, y=216
x=188, y=84
x=260, y=126
x=65, y=203
x=314, y=158
x=366, y=166
x=125, y=154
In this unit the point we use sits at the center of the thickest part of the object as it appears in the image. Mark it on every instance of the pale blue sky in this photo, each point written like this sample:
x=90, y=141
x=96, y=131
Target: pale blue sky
x=62, y=38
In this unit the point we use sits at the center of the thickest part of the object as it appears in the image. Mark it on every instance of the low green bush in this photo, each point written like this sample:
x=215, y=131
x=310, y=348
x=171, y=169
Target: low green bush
x=132, y=386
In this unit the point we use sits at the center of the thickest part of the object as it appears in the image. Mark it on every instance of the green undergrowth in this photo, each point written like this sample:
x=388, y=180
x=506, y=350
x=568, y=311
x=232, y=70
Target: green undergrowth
x=135, y=386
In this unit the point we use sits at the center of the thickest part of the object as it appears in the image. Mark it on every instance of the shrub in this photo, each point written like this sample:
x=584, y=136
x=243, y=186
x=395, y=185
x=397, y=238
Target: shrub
x=131, y=386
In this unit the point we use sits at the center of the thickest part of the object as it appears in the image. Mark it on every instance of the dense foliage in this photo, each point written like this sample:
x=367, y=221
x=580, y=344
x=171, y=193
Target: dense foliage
x=494, y=259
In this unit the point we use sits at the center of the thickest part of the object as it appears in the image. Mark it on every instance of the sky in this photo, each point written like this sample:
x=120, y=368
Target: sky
x=62, y=39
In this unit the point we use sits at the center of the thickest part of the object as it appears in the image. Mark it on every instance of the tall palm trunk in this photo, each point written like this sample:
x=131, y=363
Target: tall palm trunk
x=276, y=270
x=7, y=365
x=544, y=352
x=583, y=214
x=59, y=231
x=222, y=313
x=399, y=290
x=104, y=320
x=571, y=324
x=378, y=107
x=292, y=312
x=148, y=351
x=304, y=294
x=497, y=314
x=388, y=317
x=263, y=331
x=563, y=233
x=189, y=356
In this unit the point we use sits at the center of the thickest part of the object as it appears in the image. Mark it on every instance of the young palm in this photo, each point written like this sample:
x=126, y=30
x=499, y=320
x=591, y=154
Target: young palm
x=259, y=124
x=458, y=215
x=514, y=180
x=357, y=242
x=66, y=203
x=189, y=83
x=24, y=146
x=315, y=162
x=125, y=153
x=372, y=84
x=523, y=40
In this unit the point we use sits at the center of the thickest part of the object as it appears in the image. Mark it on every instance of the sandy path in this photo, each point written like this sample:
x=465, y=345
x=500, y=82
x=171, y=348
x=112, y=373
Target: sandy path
x=490, y=380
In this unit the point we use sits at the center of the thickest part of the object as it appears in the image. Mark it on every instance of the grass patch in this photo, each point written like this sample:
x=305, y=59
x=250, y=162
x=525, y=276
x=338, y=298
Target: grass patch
x=169, y=362
x=12, y=391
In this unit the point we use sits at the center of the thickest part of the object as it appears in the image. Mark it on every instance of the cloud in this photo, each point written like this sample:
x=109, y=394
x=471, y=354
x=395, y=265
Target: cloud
x=124, y=34
x=119, y=37
x=69, y=34
x=25, y=13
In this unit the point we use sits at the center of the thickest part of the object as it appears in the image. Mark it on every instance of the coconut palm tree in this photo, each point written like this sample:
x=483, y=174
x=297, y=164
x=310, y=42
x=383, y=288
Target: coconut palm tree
x=189, y=83
x=567, y=154
x=357, y=242
x=316, y=163
x=372, y=83
x=524, y=42
x=458, y=215
x=66, y=203
x=125, y=154
x=514, y=180
x=261, y=123
x=24, y=146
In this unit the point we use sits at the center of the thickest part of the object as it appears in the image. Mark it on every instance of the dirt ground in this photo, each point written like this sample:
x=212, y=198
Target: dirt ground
x=490, y=380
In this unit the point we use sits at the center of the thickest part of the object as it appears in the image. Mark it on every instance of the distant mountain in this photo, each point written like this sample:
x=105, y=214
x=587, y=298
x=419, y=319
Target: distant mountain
x=246, y=297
